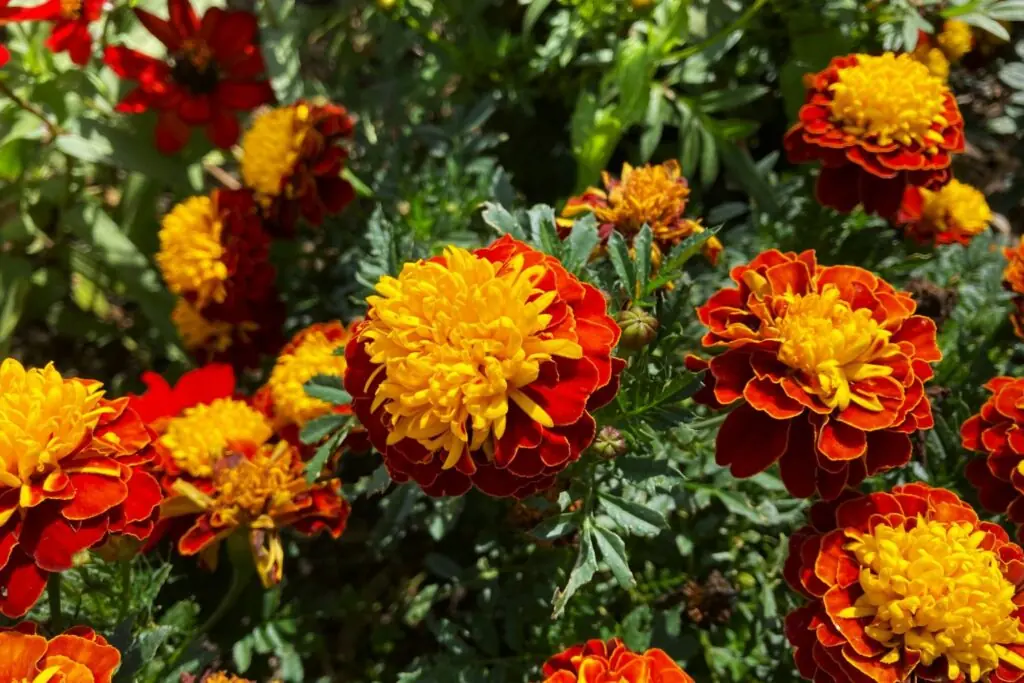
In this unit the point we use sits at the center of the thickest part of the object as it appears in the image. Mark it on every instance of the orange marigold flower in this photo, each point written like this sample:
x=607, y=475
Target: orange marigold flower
x=79, y=655
x=829, y=363
x=599, y=661
x=997, y=432
x=655, y=195
x=1013, y=275
x=224, y=677
x=877, y=125
x=71, y=477
x=257, y=491
x=481, y=368
x=292, y=160
x=905, y=586
x=956, y=212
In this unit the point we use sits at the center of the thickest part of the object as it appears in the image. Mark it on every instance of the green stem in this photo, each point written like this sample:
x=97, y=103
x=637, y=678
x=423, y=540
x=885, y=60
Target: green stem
x=53, y=594
x=708, y=422
x=742, y=21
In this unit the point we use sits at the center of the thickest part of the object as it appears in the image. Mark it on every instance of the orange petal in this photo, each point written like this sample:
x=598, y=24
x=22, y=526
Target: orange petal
x=20, y=655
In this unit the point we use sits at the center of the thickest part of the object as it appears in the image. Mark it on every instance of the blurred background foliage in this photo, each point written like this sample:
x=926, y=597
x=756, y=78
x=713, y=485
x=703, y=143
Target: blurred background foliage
x=461, y=103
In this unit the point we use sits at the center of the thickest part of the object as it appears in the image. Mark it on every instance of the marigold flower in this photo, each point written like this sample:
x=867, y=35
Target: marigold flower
x=71, y=19
x=78, y=655
x=956, y=39
x=933, y=58
x=956, y=212
x=258, y=490
x=877, y=125
x=1013, y=275
x=242, y=337
x=213, y=70
x=997, y=432
x=653, y=195
x=598, y=661
x=224, y=677
x=481, y=368
x=905, y=586
x=70, y=477
x=829, y=363
x=292, y=159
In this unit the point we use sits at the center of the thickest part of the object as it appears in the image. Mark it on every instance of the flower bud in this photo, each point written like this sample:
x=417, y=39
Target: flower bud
x=609, y=443
x=639, y=328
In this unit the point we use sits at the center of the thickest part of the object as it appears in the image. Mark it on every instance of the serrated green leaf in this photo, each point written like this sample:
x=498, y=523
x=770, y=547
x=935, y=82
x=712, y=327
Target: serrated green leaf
x=498, y=217
x=329, y=388
x=542, y=229
x=556, y=526
x=582, y=572
x=642, y=245
x=618, y=254
x=613, y=552
x=632, y=517
x=581, y=242
x=318, y=428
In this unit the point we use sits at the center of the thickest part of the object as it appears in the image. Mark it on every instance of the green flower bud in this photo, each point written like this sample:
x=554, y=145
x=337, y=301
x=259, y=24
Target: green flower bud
x=639, y=328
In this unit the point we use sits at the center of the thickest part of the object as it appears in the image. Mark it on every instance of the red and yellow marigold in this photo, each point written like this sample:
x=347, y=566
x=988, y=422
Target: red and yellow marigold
x=877, y=125
x=997, y=432
x=827, y=364
x=79, y=655
x=653, y=195
x=905, y=586
x=599, y=661
x=242, y=337
x=71, y=477
x=256, y=491
x=292, y=158
x=481, y=369
x=224, y=677
x=955, y=212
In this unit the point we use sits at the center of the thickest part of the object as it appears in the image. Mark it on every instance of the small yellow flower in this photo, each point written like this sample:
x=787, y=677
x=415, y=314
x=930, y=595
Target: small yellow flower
x=191, y=254
x=934, y=59
x=272, y=146
x=956, y=39
x=197, y=332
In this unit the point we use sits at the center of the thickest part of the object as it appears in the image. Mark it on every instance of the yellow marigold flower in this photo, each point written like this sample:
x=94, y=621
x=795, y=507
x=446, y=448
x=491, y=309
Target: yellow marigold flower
x=202, y=434
x=954, y=213
x=311, y=352
x=191, y=255
x=271, y=147
x=197, y=332
x=653, y=195
x=956, y=39
x=933, y=58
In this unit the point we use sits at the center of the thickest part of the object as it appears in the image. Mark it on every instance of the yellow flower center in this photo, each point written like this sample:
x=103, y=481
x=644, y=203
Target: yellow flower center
x=43, y=419
x=272, y=146
x=957, y=206
x=314, y=356
x=224, y=677
x=655, y=195
x=890, y=99
x=70, y=9
x=456, y=343
x=832, y=346
x=191, y=254
x=197, y=332
x=200, y=436
x=956, y=39
x=253, y=490
x=933, y=589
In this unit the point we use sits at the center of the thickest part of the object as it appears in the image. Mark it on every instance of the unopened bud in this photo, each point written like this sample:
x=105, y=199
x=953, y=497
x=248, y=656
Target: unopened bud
x=609, y=443
x=639, y=328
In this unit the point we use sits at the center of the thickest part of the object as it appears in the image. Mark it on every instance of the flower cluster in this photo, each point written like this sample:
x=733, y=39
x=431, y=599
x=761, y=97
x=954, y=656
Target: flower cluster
x=652, y=195
x=599, y=661
x=223, y=472
x=955, y=212
x=828, y=364
x=877, y=125
x=72, y=476
x=214, y=255
x=951, y=44
x=905, y=586
x=1013, y=280
x=213, y=70
x=481, y=369
x=77, y=656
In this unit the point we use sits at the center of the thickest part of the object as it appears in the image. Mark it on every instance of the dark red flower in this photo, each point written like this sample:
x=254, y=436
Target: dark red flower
x=71, y=19
x=214, y=70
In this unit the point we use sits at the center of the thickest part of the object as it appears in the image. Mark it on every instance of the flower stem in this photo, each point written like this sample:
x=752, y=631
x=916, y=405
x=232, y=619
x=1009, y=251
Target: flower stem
x=53, y=595
x=708, y=422
x=31, y=109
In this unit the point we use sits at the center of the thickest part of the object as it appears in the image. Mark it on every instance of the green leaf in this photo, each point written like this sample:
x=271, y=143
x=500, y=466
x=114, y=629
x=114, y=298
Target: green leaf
x=613, y=552
x=542, y=229
x=318, y=428
x=672, y=267
x=633, y=78
x=582, y=572
x=316, y=464
x=654, y=122
x=329, y=388
x=1007, y=10
x=708, y=157
x=642, y=245
x=730, y=98
x=99, y=142
x=632, y=517
x=498, y=217
x=556, y=526
x=618, y=254
x=15, y=282
x=580, y=245
x=641, y=470
x=689, y=154
x=281, y=46
x=746, y=173
x=533, y=13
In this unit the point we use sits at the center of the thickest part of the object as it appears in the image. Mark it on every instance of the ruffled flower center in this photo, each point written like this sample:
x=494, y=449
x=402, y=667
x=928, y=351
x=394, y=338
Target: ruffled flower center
x=957, y=206
x=70, y=9
x=191, y=254
x=201, y=435
x=195, y=68
x=933, y=589
x=272, y=147
x=314, y=356
x=832, y=346
x=248, y=489
x=43, y=419
x=456, y=342
x=652, y=195
x=890, y=100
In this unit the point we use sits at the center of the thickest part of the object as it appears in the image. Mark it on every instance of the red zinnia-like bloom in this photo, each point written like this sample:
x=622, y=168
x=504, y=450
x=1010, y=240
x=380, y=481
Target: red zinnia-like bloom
x=71, y=477
x=877, y=125
x=998, y=432
x=214, y=70
x=829, y=363
x=481, y=368
x=905, y=586
x=599, y=661
x=5, y=15
x=71, y=19
x=78, y=655
x=292, y=159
